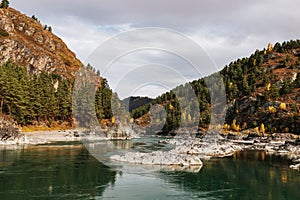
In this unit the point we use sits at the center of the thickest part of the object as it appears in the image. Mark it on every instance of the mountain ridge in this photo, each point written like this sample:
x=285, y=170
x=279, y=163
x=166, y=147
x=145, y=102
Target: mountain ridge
x=24, y=41
x=262, y=93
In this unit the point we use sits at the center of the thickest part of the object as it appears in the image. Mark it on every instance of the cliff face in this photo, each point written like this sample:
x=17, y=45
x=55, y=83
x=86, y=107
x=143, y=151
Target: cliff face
x=24, y=41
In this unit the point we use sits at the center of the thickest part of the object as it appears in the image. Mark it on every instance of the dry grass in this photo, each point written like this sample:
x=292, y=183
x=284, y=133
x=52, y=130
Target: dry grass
x=45, y=128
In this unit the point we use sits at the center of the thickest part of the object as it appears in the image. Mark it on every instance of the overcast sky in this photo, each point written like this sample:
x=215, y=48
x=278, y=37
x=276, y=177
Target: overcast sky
x=226, y=29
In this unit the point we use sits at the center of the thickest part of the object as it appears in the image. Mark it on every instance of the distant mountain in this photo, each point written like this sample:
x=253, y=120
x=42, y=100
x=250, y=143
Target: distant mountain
x=262, y=92
x=131, y=103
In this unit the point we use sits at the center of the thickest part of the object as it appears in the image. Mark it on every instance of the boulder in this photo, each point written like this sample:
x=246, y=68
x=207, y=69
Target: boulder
x=295, y=166
x=8, y=129
x=120, y=131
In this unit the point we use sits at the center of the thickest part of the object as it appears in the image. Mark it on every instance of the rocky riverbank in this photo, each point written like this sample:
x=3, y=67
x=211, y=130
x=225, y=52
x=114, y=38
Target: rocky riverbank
x=43, y=137
x=282, y=144
x=189, y=151
x=11, y=135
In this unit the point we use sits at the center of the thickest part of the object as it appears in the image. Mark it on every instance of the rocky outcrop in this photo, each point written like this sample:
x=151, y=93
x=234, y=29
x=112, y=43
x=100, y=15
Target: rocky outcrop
x=120, y=131
x=186, y=152
x=8, y=129
x=159, y=158
x=24, y=41
x=189, y=151
x=295, y=166
x=115, y=131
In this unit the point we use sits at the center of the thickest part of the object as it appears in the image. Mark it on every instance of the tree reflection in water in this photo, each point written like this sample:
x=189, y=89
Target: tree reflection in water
x=62, y=171
x=246, y=175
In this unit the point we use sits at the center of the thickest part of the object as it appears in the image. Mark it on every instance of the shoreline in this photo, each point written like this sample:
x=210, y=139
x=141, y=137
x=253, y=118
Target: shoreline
x=44, y=137
x=188, y=150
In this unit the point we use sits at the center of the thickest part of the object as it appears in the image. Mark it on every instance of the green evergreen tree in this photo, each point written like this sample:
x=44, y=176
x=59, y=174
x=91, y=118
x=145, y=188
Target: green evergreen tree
x=286, y=88
x=4, y=4
x=245, y=86
x=64, y=101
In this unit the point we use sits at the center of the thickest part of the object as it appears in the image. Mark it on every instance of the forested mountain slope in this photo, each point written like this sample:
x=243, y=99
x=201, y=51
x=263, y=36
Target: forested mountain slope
x=262, y=92
x=37, y=72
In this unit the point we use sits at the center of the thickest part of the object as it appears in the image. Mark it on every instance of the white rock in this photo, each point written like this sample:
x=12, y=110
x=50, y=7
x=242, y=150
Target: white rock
x=296, y=166
x=158, y=158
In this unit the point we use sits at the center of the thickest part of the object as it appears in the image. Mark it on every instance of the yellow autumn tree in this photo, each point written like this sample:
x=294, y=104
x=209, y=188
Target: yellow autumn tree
x=270, y=47
x=268, y=86
x=113, y=120
x=234, y=126
x=226, y=127
x=282, y=106
x=262, y=128
x=272, y=109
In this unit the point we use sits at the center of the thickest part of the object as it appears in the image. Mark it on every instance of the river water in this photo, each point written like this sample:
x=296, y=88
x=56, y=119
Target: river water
x=69, y=171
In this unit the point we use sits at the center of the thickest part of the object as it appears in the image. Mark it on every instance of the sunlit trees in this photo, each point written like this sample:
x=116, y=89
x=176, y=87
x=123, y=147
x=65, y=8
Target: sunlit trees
x=282, y=106
x=234, y=126
x=272, y=109
x=262, y=129
x=270, y=47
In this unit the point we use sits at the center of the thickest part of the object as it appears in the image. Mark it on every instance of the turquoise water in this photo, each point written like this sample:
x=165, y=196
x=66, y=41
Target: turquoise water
x=64, y=171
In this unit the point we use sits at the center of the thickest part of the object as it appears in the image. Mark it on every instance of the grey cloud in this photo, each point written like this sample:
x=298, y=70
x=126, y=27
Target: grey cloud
x=227, y=29
x=126, y=53
x=232, y=19
x=179, y=13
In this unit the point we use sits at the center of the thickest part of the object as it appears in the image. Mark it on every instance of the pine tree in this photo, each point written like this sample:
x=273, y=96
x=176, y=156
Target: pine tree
x=245, y=86
x=285, y=89
x=64, y=101
x=4, y=4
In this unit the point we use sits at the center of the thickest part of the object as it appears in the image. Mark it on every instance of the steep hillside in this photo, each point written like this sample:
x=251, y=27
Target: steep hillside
x=262, y=92
x=37, y=74
x=24, y=41
x=268, y=97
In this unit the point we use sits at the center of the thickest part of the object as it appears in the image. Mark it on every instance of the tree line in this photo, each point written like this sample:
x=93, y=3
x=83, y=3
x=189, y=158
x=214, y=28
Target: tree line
x=43, y=97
